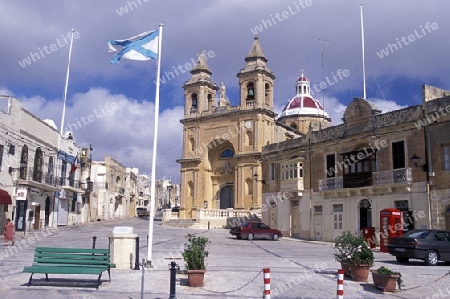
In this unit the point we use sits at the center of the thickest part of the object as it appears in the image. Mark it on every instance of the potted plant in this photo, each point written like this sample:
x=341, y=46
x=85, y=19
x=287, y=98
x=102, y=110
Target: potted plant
x=361, y=258
x=194, y=256
x=386, y=279
x=343, y=246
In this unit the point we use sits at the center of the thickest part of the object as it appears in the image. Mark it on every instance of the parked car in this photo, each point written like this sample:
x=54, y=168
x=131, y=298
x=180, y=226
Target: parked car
x=428, y=245
x=255, y=230
x=142, y=212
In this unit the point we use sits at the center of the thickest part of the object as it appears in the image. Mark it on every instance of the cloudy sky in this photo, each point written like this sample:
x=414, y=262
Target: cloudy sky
x=406, y=45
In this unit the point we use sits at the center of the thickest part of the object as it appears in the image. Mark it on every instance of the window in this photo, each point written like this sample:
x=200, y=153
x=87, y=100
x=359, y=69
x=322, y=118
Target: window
x=331, y=166
x=23, y=163
x=398, y=154
x=38, y=163
x=250, y=91
x=291, y=171
x=445, y=157
x=227, y=153
x=317, y=209
x=338, y=211
x=194, y=102
x=1, y=156
x=273, y=176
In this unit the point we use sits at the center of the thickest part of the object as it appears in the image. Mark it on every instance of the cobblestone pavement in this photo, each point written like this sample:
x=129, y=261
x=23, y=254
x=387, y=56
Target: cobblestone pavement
x=299, y=269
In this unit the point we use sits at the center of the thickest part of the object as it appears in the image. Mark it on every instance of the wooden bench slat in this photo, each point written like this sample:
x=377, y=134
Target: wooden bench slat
x=72, y=256
x=70, y=261
x=71, y=250
x=64, y=270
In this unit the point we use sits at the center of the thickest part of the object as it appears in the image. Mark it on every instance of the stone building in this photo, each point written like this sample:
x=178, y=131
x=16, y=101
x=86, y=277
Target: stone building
x=39, y=170
x=339, y=178
x=222, y=143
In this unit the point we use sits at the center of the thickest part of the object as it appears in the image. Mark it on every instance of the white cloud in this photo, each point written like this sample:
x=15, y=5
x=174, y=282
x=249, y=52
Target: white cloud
x=118, y=126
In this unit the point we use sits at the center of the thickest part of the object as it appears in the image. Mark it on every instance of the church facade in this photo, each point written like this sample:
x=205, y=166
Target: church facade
x=222, y=143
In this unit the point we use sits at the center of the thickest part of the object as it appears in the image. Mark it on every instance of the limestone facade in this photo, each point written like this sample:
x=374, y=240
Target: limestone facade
x=221, y=165
x=346, y=174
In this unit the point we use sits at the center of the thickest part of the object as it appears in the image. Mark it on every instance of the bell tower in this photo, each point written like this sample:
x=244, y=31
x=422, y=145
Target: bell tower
x=256, y=80
x=199, y=90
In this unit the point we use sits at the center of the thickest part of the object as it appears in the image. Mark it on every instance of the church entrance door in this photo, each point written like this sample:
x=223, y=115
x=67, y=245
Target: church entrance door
x=227, y=196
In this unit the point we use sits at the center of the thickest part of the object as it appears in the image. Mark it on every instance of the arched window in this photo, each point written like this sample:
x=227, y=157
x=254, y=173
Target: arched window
x=194, y=102
x=38, y=162
x=210, y=101
x=250, y=91
x=24, y=163
x=227, y=153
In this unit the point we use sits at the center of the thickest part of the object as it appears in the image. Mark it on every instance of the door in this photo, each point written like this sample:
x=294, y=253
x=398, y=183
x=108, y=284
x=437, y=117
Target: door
x=47, y=211
x=21, y=213
x=295, y=219
x=37, y=217
x=318, y=226
x=63, y=211
x=227, y=197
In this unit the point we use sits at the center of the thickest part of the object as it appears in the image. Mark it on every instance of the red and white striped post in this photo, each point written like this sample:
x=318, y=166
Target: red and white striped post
x=266, y=283
x=340, y=285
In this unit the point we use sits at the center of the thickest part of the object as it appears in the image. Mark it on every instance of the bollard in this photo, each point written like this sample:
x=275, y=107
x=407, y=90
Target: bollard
x=142, y=279
x=340, y=285
x=136, y=263
x=266, y=283
x=94, y=238
x=173, y=267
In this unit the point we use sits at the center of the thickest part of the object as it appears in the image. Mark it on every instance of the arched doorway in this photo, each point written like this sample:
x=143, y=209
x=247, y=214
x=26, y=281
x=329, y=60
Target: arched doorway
x=365, y=214
x=226, y=196
x=47, y=211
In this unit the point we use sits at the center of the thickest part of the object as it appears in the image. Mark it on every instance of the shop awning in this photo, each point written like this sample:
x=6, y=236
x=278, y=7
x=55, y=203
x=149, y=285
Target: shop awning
x=5, y=198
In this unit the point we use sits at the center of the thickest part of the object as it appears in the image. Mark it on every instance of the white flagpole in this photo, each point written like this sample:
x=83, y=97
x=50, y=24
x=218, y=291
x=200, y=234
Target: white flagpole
x=363, y=59
x=155, y=139
x=67, y=84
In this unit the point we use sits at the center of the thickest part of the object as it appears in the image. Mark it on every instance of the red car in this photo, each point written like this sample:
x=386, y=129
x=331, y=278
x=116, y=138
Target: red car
x=255, y=230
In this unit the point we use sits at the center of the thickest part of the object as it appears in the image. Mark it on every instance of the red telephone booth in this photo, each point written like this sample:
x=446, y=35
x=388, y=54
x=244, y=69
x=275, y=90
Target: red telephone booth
x=390, y=225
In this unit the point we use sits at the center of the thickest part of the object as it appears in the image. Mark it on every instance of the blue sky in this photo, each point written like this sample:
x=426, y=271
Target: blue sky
x=413, y=33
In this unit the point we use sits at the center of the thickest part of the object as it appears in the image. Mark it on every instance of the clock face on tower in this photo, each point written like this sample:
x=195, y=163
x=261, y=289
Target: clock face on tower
x=248, y=124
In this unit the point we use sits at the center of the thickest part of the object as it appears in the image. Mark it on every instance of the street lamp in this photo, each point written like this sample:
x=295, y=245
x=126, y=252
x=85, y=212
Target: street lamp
x=169, y=188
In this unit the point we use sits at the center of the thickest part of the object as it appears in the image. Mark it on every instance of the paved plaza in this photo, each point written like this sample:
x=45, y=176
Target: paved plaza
x=299, y=269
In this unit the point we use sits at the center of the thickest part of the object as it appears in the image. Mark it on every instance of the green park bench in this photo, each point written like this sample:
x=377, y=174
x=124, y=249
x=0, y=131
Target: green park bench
x=51, y=260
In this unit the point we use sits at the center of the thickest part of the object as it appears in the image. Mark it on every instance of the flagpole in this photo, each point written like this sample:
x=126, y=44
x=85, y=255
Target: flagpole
x=155, y=140
x=67, y=84
x=363, y=59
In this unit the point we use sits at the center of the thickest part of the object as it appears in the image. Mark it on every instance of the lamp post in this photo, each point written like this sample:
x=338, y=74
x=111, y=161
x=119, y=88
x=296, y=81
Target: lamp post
x=169, y=188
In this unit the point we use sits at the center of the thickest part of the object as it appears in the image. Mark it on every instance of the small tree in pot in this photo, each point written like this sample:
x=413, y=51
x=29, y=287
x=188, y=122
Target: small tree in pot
x=194, y=255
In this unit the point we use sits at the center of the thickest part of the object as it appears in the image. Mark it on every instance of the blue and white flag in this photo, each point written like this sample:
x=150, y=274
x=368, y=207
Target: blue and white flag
x=140, y=47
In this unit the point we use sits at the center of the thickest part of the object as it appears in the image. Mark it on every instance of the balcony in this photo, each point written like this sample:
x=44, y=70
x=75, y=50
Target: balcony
x=382, y=180
x=28, y=176
x=292, y=185
x=331, y=184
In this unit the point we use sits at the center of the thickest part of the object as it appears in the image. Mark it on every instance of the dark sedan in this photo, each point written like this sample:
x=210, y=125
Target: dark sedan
x=255, y=230
x=428, y=245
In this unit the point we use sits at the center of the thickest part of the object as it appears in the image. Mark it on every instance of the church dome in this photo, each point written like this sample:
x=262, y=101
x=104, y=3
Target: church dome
x=303, y=103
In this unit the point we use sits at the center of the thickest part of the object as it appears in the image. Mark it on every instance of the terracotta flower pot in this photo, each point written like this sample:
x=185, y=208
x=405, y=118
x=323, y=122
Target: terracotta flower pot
x=195, y=277
x=360, y=272
x=387, y=283
x=346, y=268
